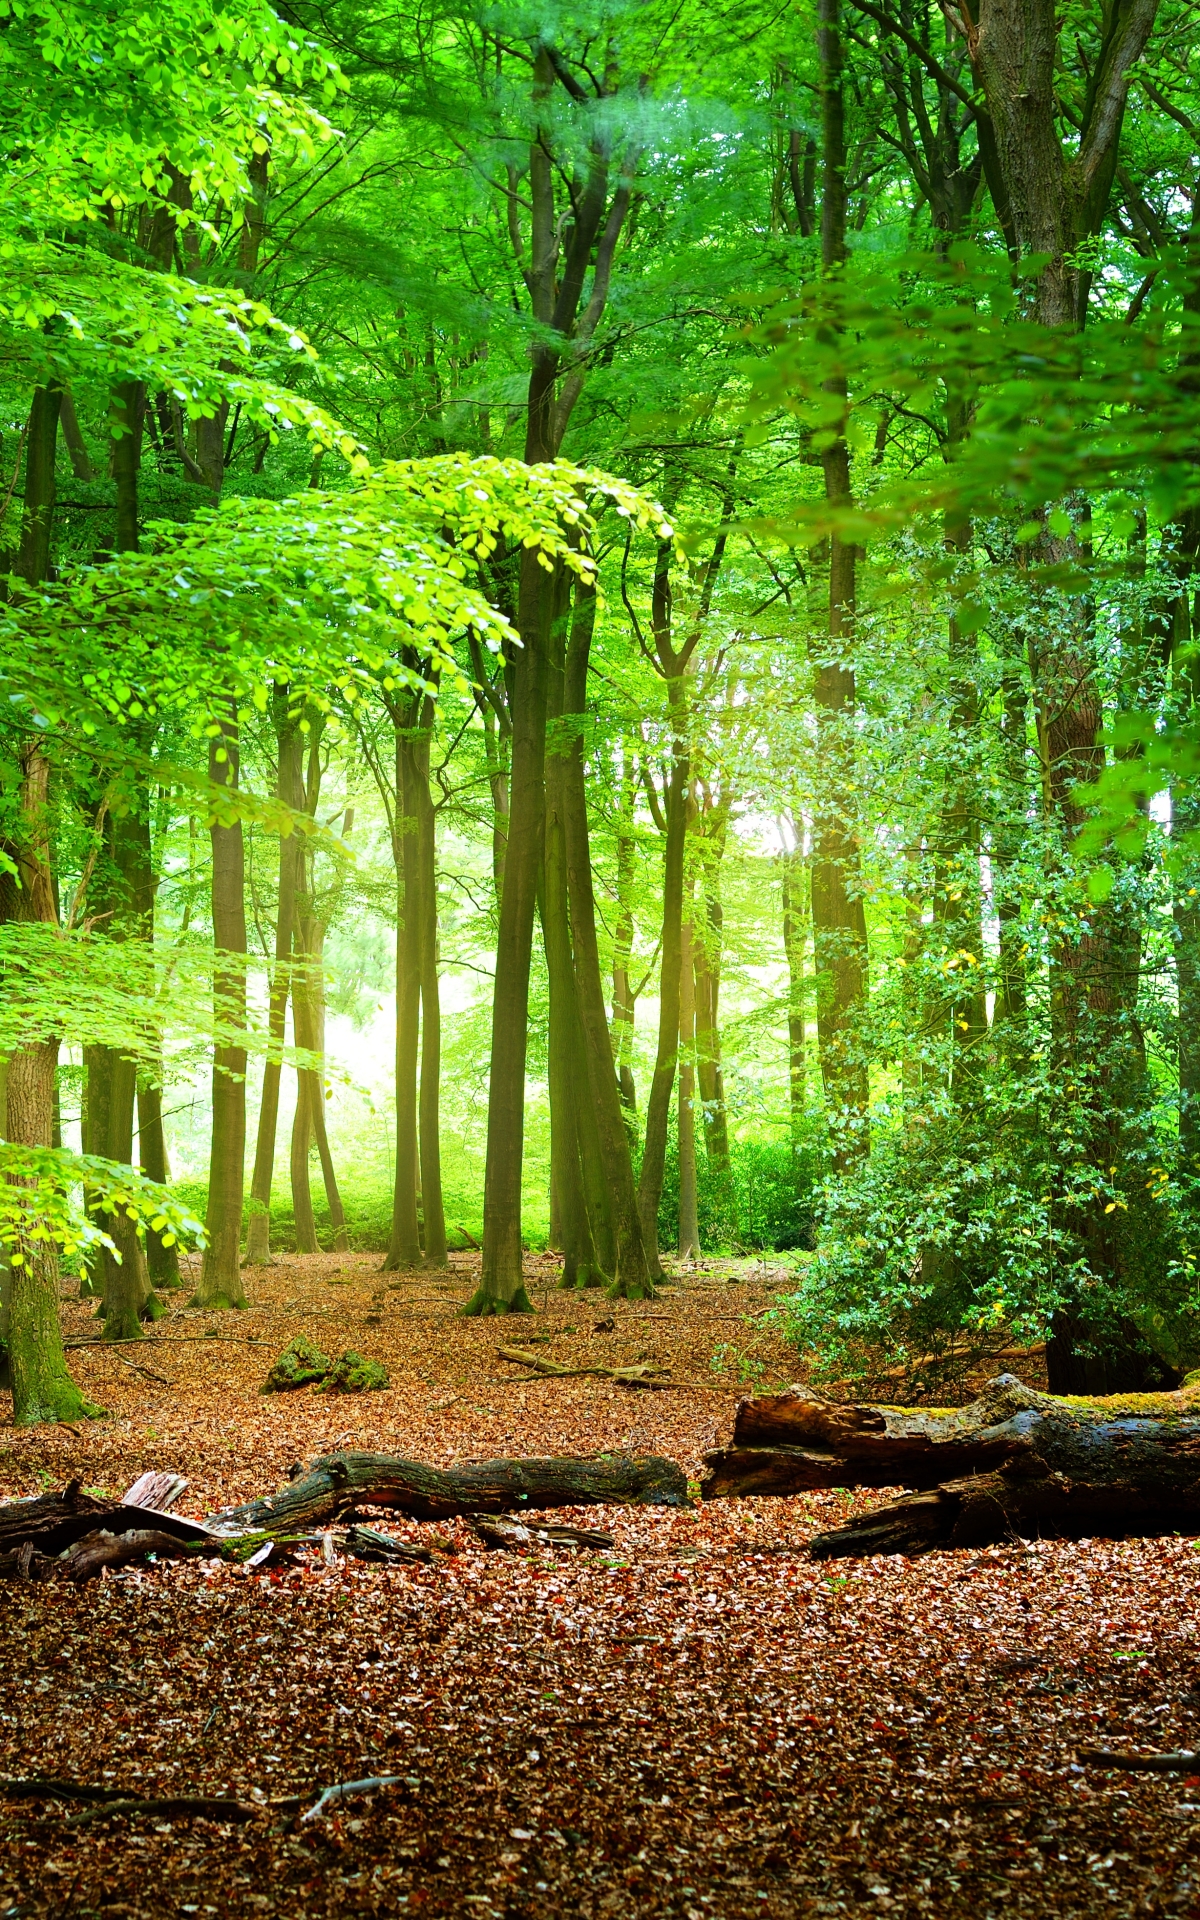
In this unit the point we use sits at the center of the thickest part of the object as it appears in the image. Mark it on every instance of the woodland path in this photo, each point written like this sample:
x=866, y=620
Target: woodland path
x=701, y=1722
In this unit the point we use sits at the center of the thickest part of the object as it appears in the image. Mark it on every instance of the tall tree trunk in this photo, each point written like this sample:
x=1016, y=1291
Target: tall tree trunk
x=566, y=255
x=290, y=787
x=838, y=917
x=128, y=1295
x=566, y=1058
x=308, y=1023
x=658, y=1104
x=502, y=1285
x=429, y=1114
x=220, y=1275
x=958, y=899
x=622, y=999
x=707, y=943
x=42, y=1388
x=162, y=1261
x=602, y=1105
x=689, y=1205
x=404, y=1247
x=795, y=947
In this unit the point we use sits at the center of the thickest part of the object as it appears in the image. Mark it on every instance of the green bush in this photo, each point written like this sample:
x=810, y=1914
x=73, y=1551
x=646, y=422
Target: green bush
x=767, y=1202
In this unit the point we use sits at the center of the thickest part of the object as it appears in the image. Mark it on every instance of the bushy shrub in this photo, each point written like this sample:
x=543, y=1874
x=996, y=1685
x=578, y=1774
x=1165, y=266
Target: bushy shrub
x=766, y=1203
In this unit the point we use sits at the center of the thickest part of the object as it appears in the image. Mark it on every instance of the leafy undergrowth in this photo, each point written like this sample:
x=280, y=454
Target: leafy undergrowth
x=701, y=1722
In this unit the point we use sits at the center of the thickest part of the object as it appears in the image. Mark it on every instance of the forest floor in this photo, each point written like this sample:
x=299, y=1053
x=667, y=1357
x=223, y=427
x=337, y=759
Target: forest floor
x=700, y=1722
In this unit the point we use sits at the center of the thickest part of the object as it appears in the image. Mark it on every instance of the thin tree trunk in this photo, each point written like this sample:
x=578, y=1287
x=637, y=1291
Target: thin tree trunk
x=428, y=1117
x=602, y=1108
x=220, y=1275
x=502, y=1285
x=689, y=1207
x=795, y=947
x=291, y=792
x=658, y=1106
x=622, y=1000
x=404, y=1248
x=707, y=942
x=42, y=1388
x=567, y=1061
x=162, y=1261
x=308, y=1023
x=838, y=917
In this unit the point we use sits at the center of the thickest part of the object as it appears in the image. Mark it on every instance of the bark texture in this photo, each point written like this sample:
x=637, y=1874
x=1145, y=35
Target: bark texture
x=1013, y=1462
x=338, y=1481
x=220, y=1273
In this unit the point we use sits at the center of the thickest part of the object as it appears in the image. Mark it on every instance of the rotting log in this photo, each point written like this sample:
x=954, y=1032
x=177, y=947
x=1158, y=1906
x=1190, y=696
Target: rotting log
x=1013, y=1463
x=338, y=1481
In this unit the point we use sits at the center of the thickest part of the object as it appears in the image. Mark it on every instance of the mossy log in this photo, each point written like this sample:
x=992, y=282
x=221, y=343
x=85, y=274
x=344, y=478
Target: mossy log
x=339, y=1481
x=1014, y=1462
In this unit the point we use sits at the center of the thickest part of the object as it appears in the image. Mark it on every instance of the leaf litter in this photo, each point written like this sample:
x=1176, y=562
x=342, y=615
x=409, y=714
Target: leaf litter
x=697, y=1721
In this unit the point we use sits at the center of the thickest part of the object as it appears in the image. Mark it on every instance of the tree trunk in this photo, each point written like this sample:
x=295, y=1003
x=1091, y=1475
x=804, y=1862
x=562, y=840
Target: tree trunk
x=341, y=1480
x=308, y=1025
x=689, y=1205
x=622, y=998
x=41, y=1386
x=795, y=945
x=712, y=823
x=1013, y=1463
x=291, y=792
x=162, y=1262
x=429, y=1111
x=502, y=1285
x=838, y=917
x=567, y=1059
x=658, y=1105
x=602, y=1104
x=404, y=1247
x=220, y=1276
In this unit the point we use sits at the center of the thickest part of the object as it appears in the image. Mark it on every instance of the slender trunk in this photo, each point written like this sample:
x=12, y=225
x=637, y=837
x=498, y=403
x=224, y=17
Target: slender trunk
x=502, y=1286
x=308, y=1024
x=291, y=792
x=81, y=459
x=404, y=1248
x=128, y=1296
x=1007, y=840
x=795, y=947
x=566, y=1059
x=220, y=1277
x=313, y=937
x=658, y=1106
x=707, y=943
x=42, y=1388
x=689, y=1204
x=602, y=1106
x=428, y=1117
x=162, y=1261
x=622, y=1000
x=839, y=921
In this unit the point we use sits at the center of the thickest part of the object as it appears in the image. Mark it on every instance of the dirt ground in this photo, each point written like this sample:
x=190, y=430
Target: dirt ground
x=701, y=1721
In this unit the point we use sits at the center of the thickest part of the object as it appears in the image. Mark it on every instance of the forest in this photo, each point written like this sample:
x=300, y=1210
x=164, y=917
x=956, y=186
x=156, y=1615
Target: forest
x=600, y=722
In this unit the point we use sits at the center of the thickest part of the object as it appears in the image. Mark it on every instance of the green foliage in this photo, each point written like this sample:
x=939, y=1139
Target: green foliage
x=766, y=1204
x=48, y=1194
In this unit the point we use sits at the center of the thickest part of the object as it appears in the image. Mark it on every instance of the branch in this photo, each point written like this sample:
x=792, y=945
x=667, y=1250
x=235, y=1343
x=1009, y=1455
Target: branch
x=932, y=65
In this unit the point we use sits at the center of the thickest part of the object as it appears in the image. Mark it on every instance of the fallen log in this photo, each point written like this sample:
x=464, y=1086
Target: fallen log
x=338, y=1481
x=1014, y=1462
x=1185, y=1762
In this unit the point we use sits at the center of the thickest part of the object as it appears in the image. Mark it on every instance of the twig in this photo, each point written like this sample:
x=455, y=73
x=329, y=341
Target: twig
x=135, y=1366
x=346, y=1789
x=187, y=1805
